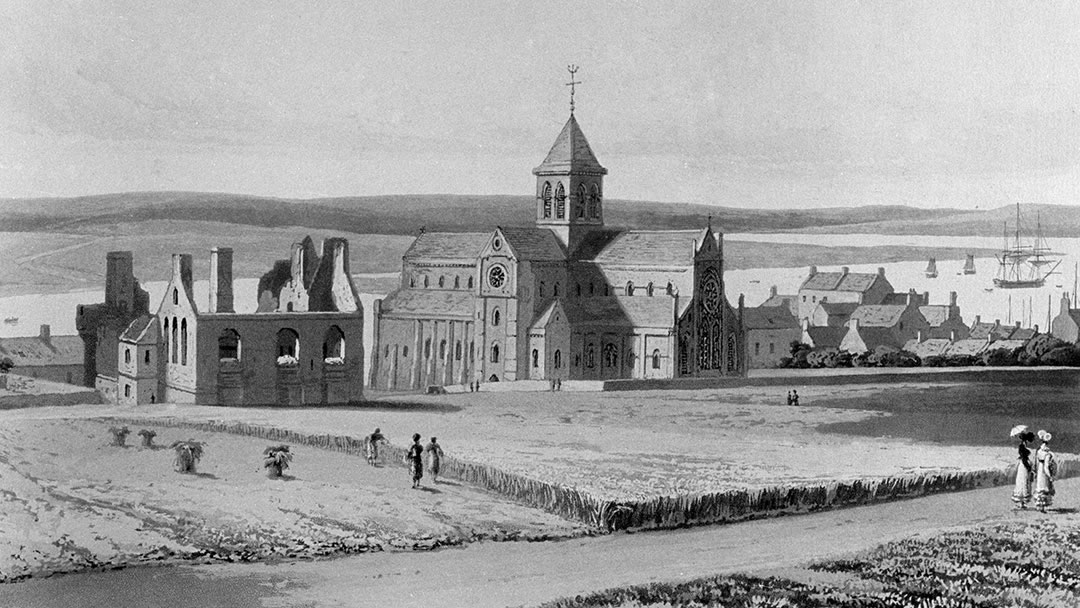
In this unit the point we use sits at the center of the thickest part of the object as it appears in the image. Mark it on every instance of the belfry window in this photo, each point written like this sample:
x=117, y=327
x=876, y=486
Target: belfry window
x=546, y=197
x=594, y=203
x=560, y=202
x=581, y=201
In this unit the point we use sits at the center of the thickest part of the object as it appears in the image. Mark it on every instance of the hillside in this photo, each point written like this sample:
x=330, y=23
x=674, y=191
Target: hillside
x=404, y=215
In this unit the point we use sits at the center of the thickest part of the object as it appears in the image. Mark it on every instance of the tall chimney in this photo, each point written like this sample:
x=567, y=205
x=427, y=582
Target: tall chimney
x=221, y=279
x=881, y=271
x=813, y=270
x=182, y=271
x=926, y=298
x=952, y=298
x=45, y=333
x=772, y=291
x=844, y=269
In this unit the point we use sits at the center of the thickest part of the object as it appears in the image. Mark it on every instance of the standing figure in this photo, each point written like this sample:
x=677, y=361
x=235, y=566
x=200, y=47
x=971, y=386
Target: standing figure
x=415, y=459
x=1024, y=471
x=558, y=384
x=794, y=397
x=1045, y=471
x=790, y=401
x=435, y=454
x=371, y=446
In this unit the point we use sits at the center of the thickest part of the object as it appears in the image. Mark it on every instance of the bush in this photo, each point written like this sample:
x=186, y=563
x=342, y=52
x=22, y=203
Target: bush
x=1001, y=356
x=119, y=435
x=276, y=459
x=6, y=364
x=1062, y=355
x=188, y=454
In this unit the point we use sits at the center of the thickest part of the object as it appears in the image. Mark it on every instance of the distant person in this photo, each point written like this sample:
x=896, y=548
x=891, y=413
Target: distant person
x=1045, y=471
x=552, y=383
x=1024, y=471
x=790, y=401
x=435, y=454
x=558, y=384
x=795, y=398
x=415, y=459
x=371, y=446
x=153, y=398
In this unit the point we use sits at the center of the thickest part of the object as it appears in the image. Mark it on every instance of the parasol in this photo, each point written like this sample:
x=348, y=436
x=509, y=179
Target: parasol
x=1016, y=430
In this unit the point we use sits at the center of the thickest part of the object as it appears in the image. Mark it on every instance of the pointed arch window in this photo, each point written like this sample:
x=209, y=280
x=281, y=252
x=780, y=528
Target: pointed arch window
x=442, y=281
x=470, y=283
x=560, y=202
x=494, y=353
x=558, y=359
x=545, y=196
x=427, y=283
x=629, y=288
x=175, y=340
x=457, y=351
x=594, y=202
x=427, y=348
x=442, y=350
x=457, y=282
x=611, y=356
x=581, y=201
x=656, y=359
x=555, y=290
x=175, y=296
x=590, y=355
x=536, y=358
x=649, y=289
x=496, y=318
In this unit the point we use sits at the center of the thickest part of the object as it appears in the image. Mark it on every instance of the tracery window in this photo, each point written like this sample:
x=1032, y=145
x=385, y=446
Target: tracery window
x=594, y=202
x=560, y=201
x=590, y=355
x=546, y=196
x=611, y=356
x=580, y=203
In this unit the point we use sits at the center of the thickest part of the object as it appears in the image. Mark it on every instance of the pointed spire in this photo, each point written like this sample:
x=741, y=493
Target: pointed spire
x=570, y=153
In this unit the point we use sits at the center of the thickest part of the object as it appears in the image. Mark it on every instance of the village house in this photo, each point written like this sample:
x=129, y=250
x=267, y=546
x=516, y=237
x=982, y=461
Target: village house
x=770, y=330
x=45, y=356
x=823, y=336
x=832, y=314
x=945, y=320
x=890, y=325
x=1066, y=325
x=777, y=299
x=565, y=298
x=843, y=286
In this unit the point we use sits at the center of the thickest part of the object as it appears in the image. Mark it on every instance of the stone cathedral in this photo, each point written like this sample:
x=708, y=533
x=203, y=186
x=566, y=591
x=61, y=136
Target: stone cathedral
x=566, y=298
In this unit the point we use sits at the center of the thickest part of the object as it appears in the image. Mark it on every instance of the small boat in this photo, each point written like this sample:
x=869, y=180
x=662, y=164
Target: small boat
x=969, y=265
x=988, y=289
x=755, y=281
x=931, y=269
x=11, y=320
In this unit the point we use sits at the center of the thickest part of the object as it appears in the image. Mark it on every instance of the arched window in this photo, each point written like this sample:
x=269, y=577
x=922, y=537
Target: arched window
x=404, y=351
x=496, y=317
x=579, y=290
x=457, y=282
x=536, y=358
x=229, y=345
x=442, y=350
x=560, y=202
x=494, y=353
x=555, y=290
x=127, y=355
x=611, y=356
x=442, y=281
x=457, y=351
x=579, y=204
x=146, y=358
x=412, y=281
x=288, y=347
x=541, y=289
x=546, y=196
x=175, y=296
x=629, y=288
x=168, y=342
x=594, y=202
x=427, y=348
x=472, y=352
x=648, y=289
x=289, y=307
x=183, y=342
x=656, y=359
x=590, y=355
x=558, y=359
x=470, y=283
x=175, y=344
x=333, y=347
x=426, y=281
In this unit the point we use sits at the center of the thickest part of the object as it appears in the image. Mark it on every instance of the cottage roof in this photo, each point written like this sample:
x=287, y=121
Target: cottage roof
x=1023, y=334
x=874, y=337
x=1006, y=345
x=37, y=351
x=464, y=246
x=769, y=317
x=936, y=314
x=1002, y=332
x=570, y=153
x=142, y=330
x=981, y=331
x=839, y=281
x=639, y=247
x=791, y=302
x=826, y=337
x=878, y=315
x=621, y=311
x=439, y=303
x=966, y=347
x=927, y=348
x=538, y=244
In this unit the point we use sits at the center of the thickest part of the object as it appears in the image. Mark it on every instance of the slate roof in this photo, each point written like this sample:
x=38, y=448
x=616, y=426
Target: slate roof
x=935, y=314
x=981, y=331
x=878, y=315
x=927, y=348
x=874, y=337
x=463, y=246
x=36, y=352
x=538, y=244
x=570, y=153
x=639, y=247
x=440, y=303
x=827, y=337
x=769, y=317
x=1023, y=334
x=791, y=302
x=966, y=347
x=838, y=281
x=621, y=311
x=142, y=330
x=1006, y=344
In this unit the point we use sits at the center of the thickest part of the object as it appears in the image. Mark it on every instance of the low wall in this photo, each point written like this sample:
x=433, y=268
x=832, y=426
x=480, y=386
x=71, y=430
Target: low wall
x=646, y=513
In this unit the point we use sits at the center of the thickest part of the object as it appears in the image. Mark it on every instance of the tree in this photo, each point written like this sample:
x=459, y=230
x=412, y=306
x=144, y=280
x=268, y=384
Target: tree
x=276, y=459
x=6, y=364
x=188, y=454
x=147, y=437
x=119, y=435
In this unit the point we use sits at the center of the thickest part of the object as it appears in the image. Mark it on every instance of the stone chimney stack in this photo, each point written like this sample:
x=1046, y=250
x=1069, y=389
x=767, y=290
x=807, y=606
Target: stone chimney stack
x=881, y=271
x=844, y=269
x=926, y=298
x=221, y=279
x=813, y=270
x=952, y=299
x=182, y=271
x=772, y=291
x=45, y=333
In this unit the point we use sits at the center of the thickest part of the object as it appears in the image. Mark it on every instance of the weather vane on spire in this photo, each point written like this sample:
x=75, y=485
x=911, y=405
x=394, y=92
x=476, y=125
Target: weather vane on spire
x=573, y=70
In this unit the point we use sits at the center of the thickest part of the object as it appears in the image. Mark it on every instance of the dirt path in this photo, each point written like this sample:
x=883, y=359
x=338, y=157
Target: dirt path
x=514, y=574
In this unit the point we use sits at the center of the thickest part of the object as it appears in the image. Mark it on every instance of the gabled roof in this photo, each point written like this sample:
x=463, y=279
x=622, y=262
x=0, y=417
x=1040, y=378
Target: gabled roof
x=538, y=244
x=769, y=317
x=981, y=331
x=546, y=316
x=1006, y=345
x=425, y=303
x=840, y=309
x=936, y=314
x=791, y=302
x=1002, y=332
x=878, y=315
x=36, y=351
x=826, y=337
x=966, y=347
x=621, y=311
x=1024, y=334
x=142, y=330
x=839, y=281
x=639, y=247
x=927, y=348
x=874, y=337
x=464, y=246
x=570, y=153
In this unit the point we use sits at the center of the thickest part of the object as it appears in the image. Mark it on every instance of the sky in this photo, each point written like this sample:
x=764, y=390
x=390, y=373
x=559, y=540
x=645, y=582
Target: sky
x=748, y=104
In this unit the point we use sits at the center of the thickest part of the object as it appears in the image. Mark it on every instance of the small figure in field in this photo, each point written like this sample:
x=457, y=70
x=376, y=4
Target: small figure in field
x=558, y=384
x=1045, y=471
x=795, y=398
x=415, y=459
x=435, y=454
x=790, y=401
x=1025, y=469
x=371, y=446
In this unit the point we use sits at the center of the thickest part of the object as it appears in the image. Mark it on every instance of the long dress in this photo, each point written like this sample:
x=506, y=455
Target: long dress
x=1045, y=470
x=435, y=454
x=415, y=458
x=1022, y=490
x=371, y=447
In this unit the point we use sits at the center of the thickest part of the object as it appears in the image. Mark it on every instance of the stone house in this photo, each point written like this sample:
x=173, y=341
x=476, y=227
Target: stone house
x=843, y=286
x=45, y=356
x=770, y=330
x=1066, y=325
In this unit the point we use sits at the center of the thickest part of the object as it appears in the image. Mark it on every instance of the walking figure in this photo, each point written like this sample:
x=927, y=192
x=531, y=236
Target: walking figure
x=558, y=384
x=415, y=459
x=371, y=446
x=435, y=454
x=1045, y=471
x=1024, y=470
x=794, y=397
x=790, y=401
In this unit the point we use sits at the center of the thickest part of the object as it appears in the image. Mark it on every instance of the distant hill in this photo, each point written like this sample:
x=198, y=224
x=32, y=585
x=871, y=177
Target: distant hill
x=404, y=215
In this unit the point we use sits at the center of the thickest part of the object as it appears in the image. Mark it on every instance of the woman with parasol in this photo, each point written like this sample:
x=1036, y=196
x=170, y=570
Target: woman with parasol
x=1024, y=470
x=1045, y=472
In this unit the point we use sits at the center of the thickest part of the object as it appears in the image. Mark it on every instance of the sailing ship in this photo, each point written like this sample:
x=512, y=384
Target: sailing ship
x=931, y=269
x=1025, y=264
x=969, y=265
